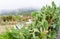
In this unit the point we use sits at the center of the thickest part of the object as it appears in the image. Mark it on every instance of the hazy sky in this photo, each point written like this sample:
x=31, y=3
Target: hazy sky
x=14, y=4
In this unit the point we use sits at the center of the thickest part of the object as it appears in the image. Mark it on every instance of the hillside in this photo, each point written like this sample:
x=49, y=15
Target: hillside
x=22, y=11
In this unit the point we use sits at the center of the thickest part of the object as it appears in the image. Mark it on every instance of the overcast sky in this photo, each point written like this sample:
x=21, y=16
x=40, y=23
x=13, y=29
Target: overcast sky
x=14, y=4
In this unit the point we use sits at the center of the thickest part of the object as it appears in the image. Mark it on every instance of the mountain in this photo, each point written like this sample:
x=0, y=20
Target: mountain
x=22, y=11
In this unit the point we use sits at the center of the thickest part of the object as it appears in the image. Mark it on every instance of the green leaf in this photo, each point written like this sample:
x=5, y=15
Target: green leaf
x=46, y=25
x=34, y=14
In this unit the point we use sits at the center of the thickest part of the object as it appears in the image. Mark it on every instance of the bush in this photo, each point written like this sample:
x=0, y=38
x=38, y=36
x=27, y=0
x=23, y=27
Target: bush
x=10, y=18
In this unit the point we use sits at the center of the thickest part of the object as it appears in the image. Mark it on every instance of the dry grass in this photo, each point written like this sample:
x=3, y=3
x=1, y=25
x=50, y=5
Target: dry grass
x=3, y=27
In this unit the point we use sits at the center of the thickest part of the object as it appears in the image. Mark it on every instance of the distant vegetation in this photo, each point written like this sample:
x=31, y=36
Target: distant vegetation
x=14, y=15
x=14, y=18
